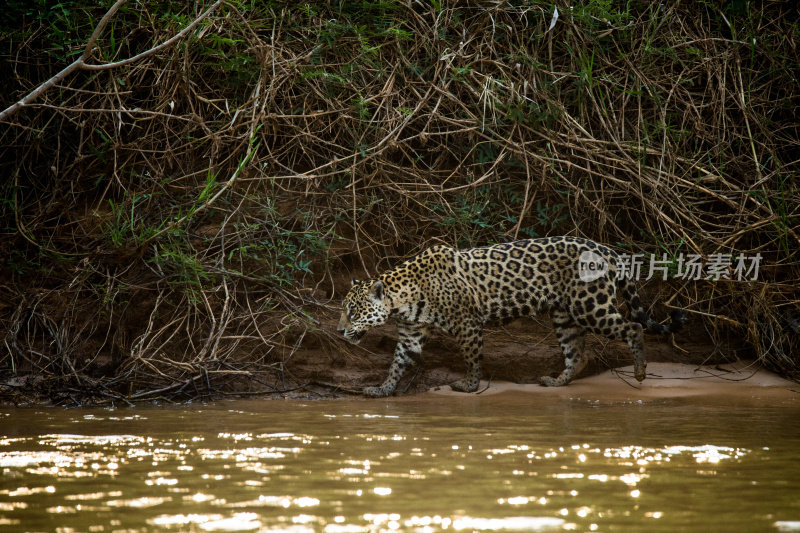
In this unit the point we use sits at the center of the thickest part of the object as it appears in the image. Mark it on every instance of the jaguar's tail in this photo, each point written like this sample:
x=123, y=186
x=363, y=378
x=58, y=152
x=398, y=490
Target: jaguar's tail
x=628, y=291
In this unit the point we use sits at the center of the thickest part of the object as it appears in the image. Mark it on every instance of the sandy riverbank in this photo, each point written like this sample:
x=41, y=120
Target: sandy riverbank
x=664, y=380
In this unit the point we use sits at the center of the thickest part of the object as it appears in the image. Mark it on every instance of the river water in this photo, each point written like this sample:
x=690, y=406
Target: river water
x=424, y=463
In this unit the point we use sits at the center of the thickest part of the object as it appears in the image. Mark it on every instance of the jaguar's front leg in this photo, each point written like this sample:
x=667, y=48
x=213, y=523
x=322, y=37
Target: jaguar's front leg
x=408, y=352
x=471, y=341
x=396, y=371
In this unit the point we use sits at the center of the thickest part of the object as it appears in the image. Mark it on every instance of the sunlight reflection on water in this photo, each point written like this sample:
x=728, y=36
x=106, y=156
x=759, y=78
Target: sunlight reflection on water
x=302, y=470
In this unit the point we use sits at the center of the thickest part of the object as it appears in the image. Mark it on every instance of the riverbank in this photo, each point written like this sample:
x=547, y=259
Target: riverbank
x=741, y=381
x=185, y=205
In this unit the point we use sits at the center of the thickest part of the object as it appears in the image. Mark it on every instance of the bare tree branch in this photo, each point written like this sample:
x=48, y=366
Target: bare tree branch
x=80, y=63
x=87, y=51
x=155, y=49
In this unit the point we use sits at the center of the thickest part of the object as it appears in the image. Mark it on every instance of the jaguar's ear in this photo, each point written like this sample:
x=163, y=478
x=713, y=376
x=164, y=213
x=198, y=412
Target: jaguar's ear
x=376, y=291
x=353, y=281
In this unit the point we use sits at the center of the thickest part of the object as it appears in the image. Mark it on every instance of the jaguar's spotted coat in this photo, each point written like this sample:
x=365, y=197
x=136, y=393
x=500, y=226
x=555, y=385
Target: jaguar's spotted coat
x=458, y=291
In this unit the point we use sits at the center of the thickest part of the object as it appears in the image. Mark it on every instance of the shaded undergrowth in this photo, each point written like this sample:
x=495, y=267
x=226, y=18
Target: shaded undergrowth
x=173, y=226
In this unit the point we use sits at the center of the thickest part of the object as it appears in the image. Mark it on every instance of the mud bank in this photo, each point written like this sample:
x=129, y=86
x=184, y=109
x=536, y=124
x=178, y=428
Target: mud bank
x=523, y=351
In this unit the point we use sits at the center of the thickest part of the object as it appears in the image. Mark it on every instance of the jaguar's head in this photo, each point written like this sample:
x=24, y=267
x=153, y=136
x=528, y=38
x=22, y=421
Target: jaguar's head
x=364, y=307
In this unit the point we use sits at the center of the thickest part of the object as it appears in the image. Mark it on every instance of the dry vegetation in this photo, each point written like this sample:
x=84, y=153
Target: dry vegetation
x=172, y=226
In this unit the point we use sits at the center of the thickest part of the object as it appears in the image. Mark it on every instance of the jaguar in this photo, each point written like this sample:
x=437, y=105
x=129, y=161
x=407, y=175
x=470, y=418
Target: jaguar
x=460, y=291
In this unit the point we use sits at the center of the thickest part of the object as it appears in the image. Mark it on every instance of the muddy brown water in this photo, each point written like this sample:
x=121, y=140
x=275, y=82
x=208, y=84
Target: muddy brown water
x=503, y=462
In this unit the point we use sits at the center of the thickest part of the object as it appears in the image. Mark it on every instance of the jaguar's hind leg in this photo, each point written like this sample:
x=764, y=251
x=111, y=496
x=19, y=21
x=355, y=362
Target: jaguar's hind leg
x=470, y=338
x=572, y=338
x=616, y=326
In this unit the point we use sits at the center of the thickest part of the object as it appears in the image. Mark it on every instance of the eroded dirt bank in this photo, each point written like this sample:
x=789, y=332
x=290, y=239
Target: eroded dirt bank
x=516, y=355
x=320, y=365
